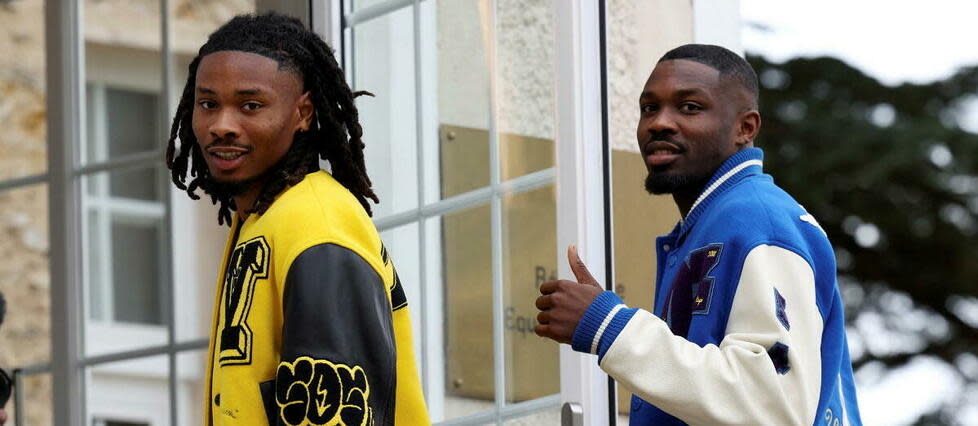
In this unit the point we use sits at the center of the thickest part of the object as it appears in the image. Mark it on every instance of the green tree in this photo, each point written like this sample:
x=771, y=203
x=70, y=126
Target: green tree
x=890, y=173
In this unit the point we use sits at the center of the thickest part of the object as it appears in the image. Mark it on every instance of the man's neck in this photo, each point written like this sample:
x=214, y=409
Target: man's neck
x=246, y=200
x=685, y=199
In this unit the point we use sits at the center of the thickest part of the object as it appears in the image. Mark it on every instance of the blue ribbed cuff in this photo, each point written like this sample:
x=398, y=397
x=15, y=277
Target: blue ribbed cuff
x=592, y=319
x=612, y=330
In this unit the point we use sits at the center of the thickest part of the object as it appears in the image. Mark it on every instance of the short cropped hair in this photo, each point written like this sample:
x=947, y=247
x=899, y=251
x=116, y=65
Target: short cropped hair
x=729, y=64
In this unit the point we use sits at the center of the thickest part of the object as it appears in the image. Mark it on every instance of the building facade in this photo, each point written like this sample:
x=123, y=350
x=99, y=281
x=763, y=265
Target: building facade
x=484, y=141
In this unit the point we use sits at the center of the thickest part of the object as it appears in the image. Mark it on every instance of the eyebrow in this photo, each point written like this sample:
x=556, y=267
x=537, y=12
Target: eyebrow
x=681, y=93
x=254, y=91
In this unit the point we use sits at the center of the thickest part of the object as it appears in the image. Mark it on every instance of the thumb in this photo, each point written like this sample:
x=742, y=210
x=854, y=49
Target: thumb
x=578, y=268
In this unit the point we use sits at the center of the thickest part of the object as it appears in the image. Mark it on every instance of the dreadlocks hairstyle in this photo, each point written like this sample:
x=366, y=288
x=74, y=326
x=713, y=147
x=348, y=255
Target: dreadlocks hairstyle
x=334, y=133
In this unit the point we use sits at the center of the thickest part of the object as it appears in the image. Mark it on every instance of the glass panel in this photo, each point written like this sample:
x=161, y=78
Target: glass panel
x=122, y=67
x=25, y=331
x=135, y=120
x=131, y=392
x=22, y=90
x=136, y=271
x=191, y=369
x=402, y=244
x=35, y=393
x=526, y=113
x=191, y=22
x=360, y=4
x=384, y=65
x=546, y=417
x=125, y=260
x=529, y=260
x=638, y=34
x=467, y=282
x=463, y=95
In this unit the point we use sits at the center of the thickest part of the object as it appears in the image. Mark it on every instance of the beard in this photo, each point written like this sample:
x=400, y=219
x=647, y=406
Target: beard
x=658, y=183
x=229, y=189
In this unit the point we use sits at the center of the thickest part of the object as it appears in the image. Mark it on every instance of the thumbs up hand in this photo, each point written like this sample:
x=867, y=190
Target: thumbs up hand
x=563, y=302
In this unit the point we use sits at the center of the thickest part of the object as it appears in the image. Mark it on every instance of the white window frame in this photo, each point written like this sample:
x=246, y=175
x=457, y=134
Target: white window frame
x=108, y=209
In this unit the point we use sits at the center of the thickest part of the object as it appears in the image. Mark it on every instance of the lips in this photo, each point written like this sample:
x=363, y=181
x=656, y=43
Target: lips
x=225, y=158
x=661, y=153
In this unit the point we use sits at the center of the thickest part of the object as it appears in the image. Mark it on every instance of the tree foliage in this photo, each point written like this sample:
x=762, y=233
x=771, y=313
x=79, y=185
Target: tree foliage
x=891, y=176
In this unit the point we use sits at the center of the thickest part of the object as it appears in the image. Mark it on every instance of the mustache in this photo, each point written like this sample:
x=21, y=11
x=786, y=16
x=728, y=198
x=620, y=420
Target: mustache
x=665, y=137
x=225, y=143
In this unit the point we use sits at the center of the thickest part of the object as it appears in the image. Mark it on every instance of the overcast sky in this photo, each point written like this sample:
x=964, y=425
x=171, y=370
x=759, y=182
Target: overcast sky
x=894, y=41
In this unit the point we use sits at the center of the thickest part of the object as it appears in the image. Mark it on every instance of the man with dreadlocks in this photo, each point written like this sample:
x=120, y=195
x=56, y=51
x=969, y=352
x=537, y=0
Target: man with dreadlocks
x=310, y=323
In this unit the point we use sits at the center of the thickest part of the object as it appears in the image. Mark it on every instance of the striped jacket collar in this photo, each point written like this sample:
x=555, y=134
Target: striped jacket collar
x=745, y=163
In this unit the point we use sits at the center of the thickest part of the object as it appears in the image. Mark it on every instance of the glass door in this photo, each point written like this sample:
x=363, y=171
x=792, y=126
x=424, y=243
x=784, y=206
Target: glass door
x=460, y=145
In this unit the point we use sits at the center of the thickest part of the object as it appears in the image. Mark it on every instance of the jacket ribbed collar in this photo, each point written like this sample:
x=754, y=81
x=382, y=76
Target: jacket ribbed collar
x=748, y=162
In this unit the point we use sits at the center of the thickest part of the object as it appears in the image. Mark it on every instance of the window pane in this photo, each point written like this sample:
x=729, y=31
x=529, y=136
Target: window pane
x=638, y=34
x=462, y=95
x=525, y=86
x=120, y=121
x=125, y=260
x=123, y=71
x=136, y=271
x=529, y=260
x=135, y=120
x=191, y=22
x=140, y=184
x=402, y=244
x=22, y=93
x=467, y=282
x=545, y=417
x=360, y=4
x=191, y=369
x=35, y=392
x=25, y=332
x=131, y=392
x=384, y=65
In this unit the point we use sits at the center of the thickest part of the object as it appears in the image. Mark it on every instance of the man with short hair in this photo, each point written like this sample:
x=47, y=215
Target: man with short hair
x=310, y=323
x=748, y=325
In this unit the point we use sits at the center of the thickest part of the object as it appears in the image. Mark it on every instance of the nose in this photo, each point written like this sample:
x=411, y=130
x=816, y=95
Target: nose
x=225, y=126
x=662, y=122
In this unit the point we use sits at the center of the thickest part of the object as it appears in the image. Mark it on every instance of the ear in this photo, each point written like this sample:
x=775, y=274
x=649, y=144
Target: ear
x=748, y=124
x=305, y=110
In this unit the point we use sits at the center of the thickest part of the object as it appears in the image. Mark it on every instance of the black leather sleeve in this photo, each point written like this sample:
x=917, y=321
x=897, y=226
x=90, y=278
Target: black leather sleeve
x=338, y=357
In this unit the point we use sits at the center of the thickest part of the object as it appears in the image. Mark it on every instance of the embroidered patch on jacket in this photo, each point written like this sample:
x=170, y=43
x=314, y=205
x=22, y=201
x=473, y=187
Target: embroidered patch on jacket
x=780, y=307
x=692, y=288
x=249, y=263
x=779, y=356
x=318, y=392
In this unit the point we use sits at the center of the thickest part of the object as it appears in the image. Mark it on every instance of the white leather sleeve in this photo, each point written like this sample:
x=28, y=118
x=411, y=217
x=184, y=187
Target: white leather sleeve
x=737, y=382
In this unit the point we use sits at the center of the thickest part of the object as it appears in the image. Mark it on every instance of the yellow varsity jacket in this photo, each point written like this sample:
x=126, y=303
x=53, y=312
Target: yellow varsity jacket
x=311, y=325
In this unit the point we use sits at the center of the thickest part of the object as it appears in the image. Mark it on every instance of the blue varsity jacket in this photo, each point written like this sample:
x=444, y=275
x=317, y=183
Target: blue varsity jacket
x=748, y=325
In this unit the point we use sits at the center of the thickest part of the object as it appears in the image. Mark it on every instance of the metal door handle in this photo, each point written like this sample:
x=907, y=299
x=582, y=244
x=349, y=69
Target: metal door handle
x=571, y=414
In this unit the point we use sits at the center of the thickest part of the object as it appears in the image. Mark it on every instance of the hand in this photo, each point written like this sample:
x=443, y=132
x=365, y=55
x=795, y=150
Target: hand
x=564, y=302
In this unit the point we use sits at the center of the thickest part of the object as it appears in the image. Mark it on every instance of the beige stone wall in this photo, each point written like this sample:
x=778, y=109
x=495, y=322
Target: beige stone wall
x=639, y=32
x=24, y=276
x=524, y=62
